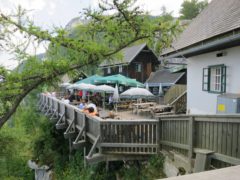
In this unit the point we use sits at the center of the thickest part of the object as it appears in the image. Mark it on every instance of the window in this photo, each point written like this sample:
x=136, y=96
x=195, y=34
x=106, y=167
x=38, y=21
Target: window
x=108, y=70
x=214, y=79
x=120, y=69
x=138, y=67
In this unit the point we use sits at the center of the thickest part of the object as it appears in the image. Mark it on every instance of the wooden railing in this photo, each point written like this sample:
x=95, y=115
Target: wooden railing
x=129, y=136
x=174, y=92
x=180, y=133
x=125, y=137
x=217, y=133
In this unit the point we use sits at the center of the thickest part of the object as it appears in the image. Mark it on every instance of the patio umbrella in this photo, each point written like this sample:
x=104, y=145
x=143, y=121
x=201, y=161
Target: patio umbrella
x=105, y=89
x=160, y=90
x=89, y=80
x=136, y=93
x=84, y=86
x=116, y=96
x=118, y=79
x=147, y=86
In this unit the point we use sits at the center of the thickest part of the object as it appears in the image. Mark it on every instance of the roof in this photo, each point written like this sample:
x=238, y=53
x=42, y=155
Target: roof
x=218, y=18
x=164, y=76
x=128, y=53
x=176, y=61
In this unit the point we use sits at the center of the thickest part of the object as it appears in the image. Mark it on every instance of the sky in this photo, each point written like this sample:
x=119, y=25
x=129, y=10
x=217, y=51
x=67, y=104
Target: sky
x=46, y=13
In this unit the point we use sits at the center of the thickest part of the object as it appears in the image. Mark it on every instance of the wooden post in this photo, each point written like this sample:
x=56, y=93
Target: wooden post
x=70, y=148
x=85, y=125
x=85, y=150
x=84, y=155
x=65, y=114
x=158, y=138
x=191, y=138
x=99, y=132
x=107, y=166
x=58, y=109
x=203, y=160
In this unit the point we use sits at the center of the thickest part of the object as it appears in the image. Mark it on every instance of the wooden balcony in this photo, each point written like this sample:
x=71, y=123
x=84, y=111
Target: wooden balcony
x=197, y=137
x=120, y=138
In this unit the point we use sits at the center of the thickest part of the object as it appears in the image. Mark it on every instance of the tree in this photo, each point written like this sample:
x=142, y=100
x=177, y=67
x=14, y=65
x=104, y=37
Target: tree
x=101, y=37
x=191, y=8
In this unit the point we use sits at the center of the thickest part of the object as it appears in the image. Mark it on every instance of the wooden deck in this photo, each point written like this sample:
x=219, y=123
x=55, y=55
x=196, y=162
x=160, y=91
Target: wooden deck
x=113, y=139
x=230, y=173
x=202, y=138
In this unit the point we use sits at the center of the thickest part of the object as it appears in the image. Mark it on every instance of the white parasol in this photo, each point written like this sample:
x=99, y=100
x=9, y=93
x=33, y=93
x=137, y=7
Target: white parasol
x=136, y=93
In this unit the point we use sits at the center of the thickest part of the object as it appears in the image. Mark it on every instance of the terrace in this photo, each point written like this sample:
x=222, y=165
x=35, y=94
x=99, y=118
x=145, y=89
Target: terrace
x=200, y=139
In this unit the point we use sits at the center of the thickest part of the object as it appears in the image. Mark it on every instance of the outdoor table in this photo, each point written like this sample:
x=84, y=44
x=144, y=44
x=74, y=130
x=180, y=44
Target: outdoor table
x=137, y=106
x=161, y=108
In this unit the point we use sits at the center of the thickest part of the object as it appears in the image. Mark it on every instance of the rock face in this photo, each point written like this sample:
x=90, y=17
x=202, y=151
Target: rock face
x=41, y=173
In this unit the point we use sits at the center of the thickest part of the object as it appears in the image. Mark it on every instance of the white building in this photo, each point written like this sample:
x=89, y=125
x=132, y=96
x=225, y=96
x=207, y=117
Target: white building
x=211, y=44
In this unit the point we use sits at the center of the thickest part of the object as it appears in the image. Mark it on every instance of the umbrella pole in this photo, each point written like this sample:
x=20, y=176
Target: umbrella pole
x=118, y=99
x=104, y=101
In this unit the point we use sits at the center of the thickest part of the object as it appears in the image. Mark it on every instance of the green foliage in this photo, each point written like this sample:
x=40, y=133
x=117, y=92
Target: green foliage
x=15, y=143
x=191, y=8
x=152, y=170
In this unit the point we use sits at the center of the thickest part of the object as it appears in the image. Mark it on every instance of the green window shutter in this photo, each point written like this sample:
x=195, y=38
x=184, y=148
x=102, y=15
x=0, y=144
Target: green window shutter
x=205, y=79
x=223, y=79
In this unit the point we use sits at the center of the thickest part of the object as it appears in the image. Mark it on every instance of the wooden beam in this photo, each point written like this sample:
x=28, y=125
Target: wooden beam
x=49, y=108
x=68, y=133
x=42, y=110
x=131, y=145
x=190, y=137
x=176, y=145
x=53, y=114
x=60, y=124
x=95, y=158
x=227, y=159
x=79, y=144
x=93, y=147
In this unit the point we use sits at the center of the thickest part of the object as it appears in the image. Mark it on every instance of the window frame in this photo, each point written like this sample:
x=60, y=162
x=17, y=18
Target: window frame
x=207, y=78
x=120, y=68
x=138, y=67
x=108, y=70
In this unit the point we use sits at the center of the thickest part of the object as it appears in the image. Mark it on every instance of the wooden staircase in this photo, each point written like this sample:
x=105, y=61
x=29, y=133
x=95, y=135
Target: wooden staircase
x=176, y=96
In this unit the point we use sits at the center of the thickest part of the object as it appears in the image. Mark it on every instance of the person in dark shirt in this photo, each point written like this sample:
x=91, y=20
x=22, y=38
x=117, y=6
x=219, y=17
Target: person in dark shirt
x=71, y=97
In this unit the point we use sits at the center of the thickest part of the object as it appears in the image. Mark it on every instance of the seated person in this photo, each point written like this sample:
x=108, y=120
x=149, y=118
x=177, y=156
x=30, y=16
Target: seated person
x=91, y=111
x=82, y=105
x=71, y=97
x=77, y=97
x=65, y=100
x=93, y=106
